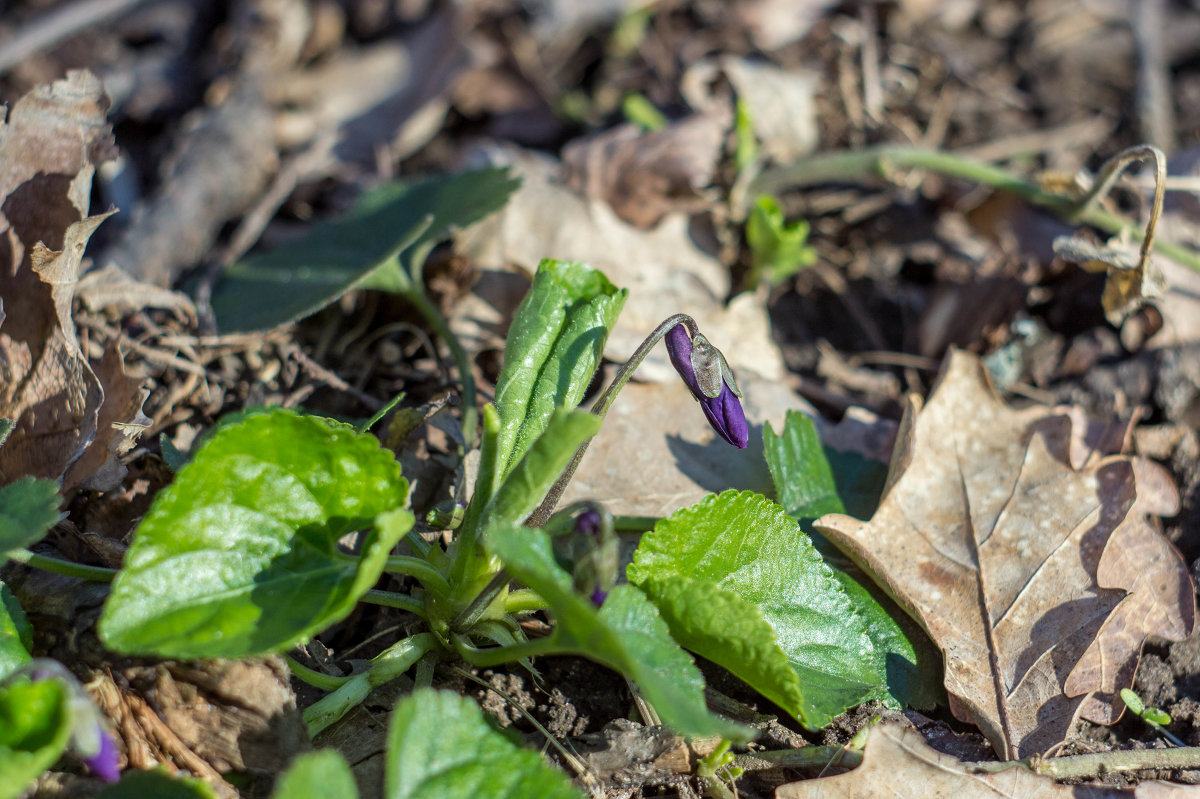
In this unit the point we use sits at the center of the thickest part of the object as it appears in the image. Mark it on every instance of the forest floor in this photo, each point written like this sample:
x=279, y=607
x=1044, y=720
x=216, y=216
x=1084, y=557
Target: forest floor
x=644, y=134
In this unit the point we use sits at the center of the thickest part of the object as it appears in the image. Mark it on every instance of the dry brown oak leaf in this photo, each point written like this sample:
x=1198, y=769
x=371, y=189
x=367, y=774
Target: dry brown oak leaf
x=898, y=763
x=1036, y=570
x=74, y=418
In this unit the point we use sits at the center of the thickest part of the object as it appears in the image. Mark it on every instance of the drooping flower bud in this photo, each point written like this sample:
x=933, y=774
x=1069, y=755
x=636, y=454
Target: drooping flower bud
x=709, y=378
x=589, y=548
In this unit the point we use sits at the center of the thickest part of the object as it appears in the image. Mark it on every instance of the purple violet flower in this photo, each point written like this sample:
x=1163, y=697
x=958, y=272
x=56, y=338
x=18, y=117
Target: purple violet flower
x=105, y=764
x=591, y=550
x=90, y=741
x=708, y=377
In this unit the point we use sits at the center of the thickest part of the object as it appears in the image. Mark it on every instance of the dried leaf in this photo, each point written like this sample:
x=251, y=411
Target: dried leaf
x=655, y=453
x=644, y=176
x=111, y=288
x=663, y=268
x=1011, y=559
x=898, y=756
x=1180, y=223
x=1128, y=286
x=49, y=146
x=782, y=106
x=775, y=23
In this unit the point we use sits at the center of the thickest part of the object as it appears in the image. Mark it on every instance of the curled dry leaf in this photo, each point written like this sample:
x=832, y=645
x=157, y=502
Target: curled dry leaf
x=1129, y=285
x=49, y=146
x=898, y=756
x=1039, y=571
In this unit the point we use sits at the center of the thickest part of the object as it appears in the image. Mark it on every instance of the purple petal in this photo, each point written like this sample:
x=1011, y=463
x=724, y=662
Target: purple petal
x=726, y=416
x=598, y=597
x=588, y=523
x=104, y=764
x=679, y=347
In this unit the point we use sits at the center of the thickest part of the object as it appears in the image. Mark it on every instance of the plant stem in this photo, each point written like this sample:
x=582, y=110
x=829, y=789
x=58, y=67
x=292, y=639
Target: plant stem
x=495, y=656
x=382, y=412
x=419, y=569
x=600, y=408
x=806, y=757
x=424, y=675
x=1092, y=765
x=466, y=551
x=393, y=600
x=470, y=421
x=634, y=524
x=97, y=574
x=385, y=667
x=1071, y=767
x=879, y=162
x=524, y=600
x=326, y=682
x=480, y=603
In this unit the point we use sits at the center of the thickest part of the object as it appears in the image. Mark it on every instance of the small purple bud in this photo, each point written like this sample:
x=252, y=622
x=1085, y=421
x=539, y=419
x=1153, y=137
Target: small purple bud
x=724, y=410
x=90, y=740
x=598, y=597
x=588, y=523
x=105, y=764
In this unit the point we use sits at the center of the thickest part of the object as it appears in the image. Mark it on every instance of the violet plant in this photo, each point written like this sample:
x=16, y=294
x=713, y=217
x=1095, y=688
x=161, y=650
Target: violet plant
x=242, y=554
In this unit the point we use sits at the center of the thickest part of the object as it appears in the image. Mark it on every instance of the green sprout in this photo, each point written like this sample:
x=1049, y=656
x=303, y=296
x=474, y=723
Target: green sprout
x=1155, y=717
x=778, y=249
x=641, y=112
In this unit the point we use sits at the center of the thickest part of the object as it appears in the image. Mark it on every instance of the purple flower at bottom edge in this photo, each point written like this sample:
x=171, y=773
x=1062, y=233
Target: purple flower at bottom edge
x=105, y=764
x=724, y=411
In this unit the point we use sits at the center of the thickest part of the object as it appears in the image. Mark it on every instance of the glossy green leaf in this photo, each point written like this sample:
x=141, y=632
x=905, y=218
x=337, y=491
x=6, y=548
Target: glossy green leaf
x=239, y=555
x=28, y=508
x=809, y=487
x=35, y=725
x=16, y=634
x=323, y=774
x=746, y=548
x=158, y=784
x=778, y=250
x=441, y=747
x=626, y=634
x=301, y=277
x=526, y=485
x=554, y=346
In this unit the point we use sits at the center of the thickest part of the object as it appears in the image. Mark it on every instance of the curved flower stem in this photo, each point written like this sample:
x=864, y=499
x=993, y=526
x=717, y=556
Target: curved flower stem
x=495, y=656
x=326, y=682
x=1108, y=175
x=97, y=574
x=420, y=570
x=390, y=599
x=385, y=667
x=601, y=406
x=470, y=419
x=524, y=600
x=396, y=279
x=880, y=162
